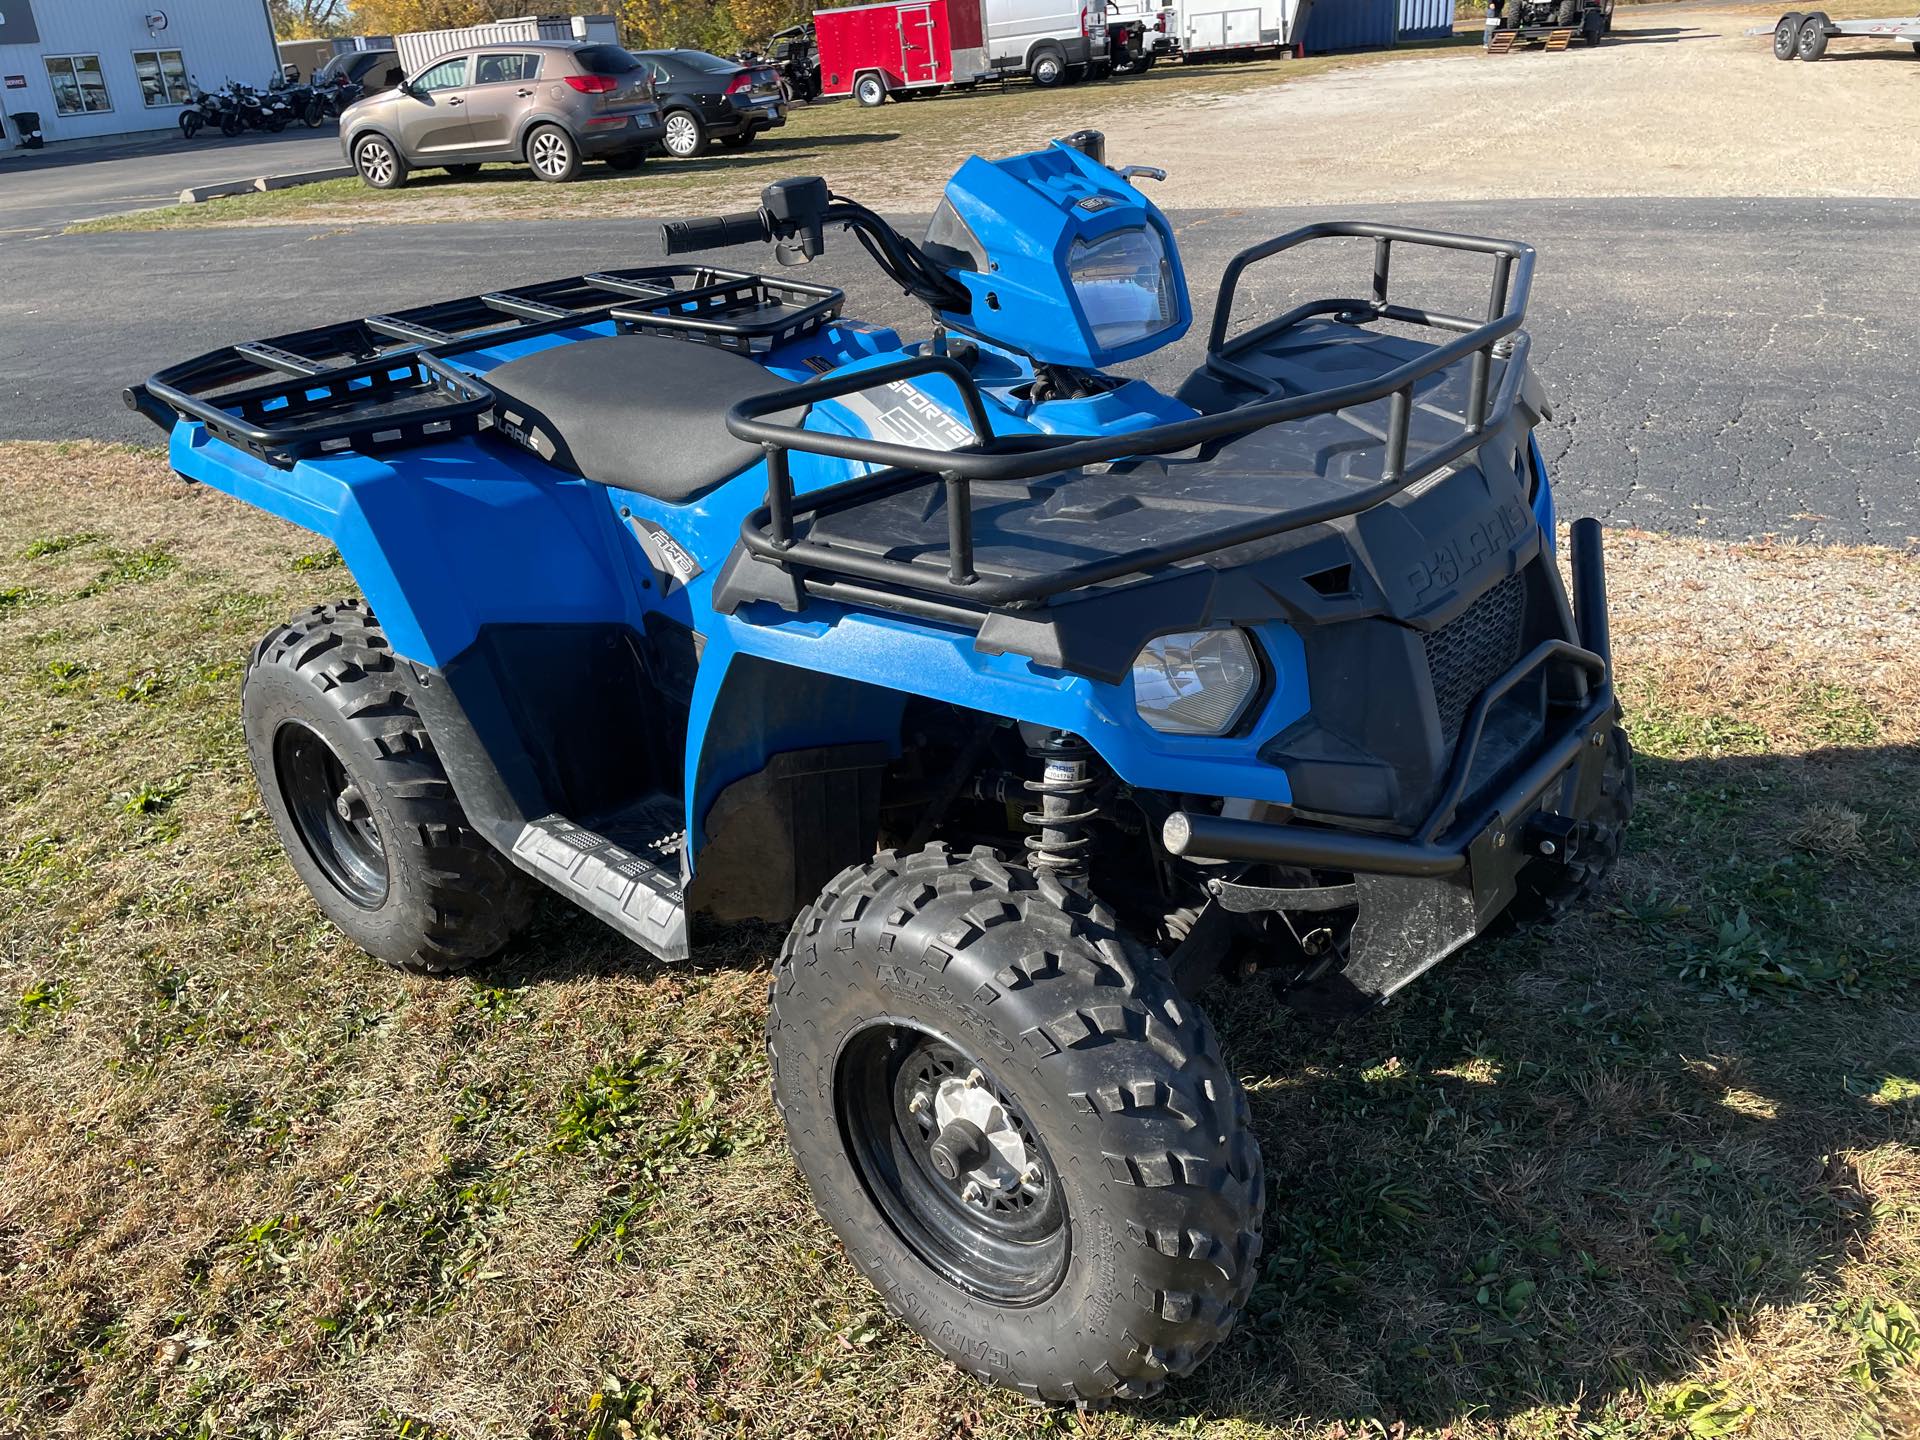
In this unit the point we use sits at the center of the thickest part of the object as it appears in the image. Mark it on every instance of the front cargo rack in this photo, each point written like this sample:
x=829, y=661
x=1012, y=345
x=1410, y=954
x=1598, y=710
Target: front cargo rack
x=385, y=380
x=787, y=531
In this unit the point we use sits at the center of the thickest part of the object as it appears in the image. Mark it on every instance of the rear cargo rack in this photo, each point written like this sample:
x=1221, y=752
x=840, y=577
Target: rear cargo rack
x=384, y=380
x=825, y=567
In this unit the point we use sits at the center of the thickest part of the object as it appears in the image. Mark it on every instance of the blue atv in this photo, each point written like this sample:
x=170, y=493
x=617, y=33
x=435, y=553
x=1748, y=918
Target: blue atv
x=1033, y=697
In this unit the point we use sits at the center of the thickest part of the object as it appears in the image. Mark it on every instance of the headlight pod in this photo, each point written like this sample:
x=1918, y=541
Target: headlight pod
x=1198, y=682
x=1124, y=282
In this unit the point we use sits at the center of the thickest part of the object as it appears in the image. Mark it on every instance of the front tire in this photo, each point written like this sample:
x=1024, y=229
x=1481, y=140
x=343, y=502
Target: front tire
x=379, y=163
x=362, y=803
x=552, y=155
x=1786, y=36
x=940, y=1022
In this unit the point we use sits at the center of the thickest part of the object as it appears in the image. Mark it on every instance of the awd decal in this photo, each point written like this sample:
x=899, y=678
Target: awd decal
x=670, y=558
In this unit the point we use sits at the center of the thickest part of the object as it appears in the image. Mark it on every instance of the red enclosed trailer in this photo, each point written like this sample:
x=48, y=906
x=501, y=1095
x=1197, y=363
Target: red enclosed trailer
x=868, y=51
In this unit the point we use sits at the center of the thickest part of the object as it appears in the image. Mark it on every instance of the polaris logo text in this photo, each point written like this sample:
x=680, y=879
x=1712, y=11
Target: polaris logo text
x=1464, y=553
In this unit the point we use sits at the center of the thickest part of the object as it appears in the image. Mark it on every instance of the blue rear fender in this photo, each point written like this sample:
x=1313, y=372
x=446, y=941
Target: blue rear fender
x=440, y=540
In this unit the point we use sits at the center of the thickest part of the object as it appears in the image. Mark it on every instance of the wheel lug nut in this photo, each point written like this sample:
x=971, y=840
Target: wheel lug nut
x=973, y=1193
x=1032, y=1174
x=918, y=1103
x=976, y=1080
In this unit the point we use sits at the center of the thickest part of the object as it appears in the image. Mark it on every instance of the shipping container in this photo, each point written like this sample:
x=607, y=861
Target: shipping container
x=1350, y=25
x=420, y=48
x=1426, y=19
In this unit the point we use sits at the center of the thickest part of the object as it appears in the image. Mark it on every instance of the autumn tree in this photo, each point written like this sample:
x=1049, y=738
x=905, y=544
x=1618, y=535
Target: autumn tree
x=308, y=19
x=396, y=17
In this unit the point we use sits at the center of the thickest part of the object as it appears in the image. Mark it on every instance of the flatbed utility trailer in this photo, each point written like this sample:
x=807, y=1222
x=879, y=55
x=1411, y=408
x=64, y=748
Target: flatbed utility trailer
x=1798, y=36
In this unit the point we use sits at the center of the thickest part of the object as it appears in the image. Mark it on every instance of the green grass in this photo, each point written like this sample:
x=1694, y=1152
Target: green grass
x=1655, y=1173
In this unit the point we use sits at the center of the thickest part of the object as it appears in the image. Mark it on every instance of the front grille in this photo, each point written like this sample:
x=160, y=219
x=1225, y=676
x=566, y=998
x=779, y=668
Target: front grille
x=1474, y=649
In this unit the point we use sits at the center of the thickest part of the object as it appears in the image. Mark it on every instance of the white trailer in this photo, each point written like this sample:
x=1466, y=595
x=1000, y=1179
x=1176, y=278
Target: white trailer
x=1217, y=27
x=420, y=48
x=1804, y=37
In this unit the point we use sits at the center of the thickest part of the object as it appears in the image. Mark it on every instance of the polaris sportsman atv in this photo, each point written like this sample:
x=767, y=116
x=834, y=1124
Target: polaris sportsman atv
x=1028, y=693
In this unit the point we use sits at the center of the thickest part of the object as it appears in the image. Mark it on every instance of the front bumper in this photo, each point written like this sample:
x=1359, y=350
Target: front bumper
x=1422, y=897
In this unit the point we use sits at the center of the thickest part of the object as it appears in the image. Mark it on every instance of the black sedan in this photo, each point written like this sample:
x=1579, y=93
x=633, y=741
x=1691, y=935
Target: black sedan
x=705, y=98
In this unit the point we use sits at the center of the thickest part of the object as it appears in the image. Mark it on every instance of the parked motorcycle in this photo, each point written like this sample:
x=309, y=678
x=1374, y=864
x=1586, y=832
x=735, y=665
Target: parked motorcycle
x=298, y=99
x=202, y=112
x=328, y=99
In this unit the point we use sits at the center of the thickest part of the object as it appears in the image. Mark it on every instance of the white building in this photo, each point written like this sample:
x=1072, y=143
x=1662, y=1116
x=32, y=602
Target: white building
x=112, y=67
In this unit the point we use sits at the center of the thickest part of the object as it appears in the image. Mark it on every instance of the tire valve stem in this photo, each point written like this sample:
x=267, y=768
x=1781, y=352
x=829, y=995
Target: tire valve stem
x=1066, y=811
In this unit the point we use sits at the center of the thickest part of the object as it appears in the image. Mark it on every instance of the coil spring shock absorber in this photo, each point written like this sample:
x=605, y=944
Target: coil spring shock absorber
x=1066, y=809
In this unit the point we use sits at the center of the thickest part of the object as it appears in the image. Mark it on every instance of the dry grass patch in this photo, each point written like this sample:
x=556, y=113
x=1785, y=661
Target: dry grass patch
x=1655, y=1173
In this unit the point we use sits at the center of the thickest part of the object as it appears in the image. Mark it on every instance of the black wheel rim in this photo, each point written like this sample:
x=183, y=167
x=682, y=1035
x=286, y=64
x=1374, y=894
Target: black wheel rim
x=997, y=1227
x=330, y=816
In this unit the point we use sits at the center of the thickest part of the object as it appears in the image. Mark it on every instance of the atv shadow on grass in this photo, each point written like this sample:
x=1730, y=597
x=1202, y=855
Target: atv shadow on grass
x=1567, y=1166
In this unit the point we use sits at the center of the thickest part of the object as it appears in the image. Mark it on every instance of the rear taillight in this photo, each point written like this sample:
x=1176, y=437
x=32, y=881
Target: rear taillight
x=742, y=81
x=1083, y=20
x=593, y=84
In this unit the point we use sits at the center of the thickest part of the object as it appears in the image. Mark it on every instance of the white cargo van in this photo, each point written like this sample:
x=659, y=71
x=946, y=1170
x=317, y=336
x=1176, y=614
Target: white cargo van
x=1051, y=40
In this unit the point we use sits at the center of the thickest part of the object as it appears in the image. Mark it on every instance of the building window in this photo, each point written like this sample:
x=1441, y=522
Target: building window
x=78, y=86
x=163, y=77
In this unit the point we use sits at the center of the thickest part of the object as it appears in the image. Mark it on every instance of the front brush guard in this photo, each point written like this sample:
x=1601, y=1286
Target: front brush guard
x=1422, y=897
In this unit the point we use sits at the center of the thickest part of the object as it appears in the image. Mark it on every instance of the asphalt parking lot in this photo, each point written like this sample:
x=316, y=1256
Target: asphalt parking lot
x=41, y=191
x=1688, y=397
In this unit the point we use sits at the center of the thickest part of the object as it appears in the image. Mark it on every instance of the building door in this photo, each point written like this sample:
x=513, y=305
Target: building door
x=917, y=65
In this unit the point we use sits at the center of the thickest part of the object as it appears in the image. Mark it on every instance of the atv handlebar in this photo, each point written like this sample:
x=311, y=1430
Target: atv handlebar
x=712, y=232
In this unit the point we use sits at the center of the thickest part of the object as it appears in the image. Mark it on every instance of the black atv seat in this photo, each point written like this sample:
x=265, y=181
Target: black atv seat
x=642, y=412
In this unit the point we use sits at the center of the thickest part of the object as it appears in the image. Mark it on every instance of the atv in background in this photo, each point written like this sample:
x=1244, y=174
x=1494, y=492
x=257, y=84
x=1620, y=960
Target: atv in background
x=1555, y=23
x=795, y=56
x=1033, y=698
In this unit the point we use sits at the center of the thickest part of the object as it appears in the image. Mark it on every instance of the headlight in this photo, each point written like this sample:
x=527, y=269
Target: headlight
x=1199, y=682
x=1125, y=285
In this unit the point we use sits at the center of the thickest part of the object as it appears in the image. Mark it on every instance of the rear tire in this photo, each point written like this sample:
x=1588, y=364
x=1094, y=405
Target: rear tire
x=1048, y=69
x=379, y=163
x=1786, y=36
x=1123, y=1256
x=1811, y=43
x=189, y=124
x=686, y=135
x=552, y=155
x=1568, y=13
x=389, y=854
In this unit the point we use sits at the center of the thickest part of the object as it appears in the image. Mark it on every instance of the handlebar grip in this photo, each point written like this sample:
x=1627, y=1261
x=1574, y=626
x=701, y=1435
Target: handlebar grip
x=711, y=232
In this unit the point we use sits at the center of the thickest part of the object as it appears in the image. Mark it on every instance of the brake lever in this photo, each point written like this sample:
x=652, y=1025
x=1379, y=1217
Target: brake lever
x=1152, y=172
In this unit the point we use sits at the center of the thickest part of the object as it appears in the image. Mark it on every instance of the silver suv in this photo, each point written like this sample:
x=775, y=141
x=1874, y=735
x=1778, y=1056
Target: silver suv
x=552, y=104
